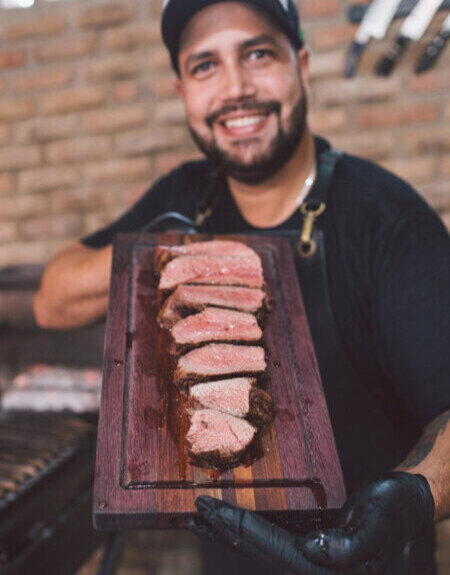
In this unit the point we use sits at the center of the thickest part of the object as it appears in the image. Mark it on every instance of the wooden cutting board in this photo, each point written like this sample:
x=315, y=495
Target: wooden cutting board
x=143, y=476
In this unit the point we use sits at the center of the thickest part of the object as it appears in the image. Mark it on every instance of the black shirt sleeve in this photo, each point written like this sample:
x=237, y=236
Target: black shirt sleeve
x=410, y=308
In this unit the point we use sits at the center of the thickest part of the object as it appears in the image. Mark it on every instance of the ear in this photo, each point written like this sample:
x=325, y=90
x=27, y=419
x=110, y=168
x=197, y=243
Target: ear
x=303, y=59
x=178, y=86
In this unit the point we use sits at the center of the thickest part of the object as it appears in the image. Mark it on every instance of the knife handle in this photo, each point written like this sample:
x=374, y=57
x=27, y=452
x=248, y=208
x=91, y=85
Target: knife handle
x=352, y=59
x=432, y=52
x=387, y=63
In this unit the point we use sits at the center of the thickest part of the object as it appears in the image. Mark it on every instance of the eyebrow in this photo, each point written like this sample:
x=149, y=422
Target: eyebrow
x=252, y=42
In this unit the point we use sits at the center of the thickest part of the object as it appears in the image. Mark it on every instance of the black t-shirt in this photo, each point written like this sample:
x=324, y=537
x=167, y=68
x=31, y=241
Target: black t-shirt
x=388, y=264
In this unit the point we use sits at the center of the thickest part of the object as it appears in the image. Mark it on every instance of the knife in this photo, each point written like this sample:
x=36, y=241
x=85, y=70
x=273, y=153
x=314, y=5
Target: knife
x=356, y=13
x=374, y=25
x=434, y=49
x=412, y=30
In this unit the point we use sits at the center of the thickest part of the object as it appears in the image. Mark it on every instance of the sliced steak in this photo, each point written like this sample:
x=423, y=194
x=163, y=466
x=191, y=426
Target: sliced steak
x=221, y=270
x=218, y=439
x=188, y=299
x=163, y=254
x=239, y=397
x=216, y=324
x=218, y=359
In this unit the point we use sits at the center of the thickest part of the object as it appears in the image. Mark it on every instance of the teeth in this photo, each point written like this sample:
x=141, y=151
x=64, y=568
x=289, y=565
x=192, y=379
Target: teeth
x=243, y=122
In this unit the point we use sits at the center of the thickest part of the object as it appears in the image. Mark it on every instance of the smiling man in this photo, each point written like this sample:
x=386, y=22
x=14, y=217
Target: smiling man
x=375, y=277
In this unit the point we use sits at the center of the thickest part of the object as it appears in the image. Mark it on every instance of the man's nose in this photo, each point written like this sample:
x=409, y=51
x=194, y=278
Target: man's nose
x=236, y=84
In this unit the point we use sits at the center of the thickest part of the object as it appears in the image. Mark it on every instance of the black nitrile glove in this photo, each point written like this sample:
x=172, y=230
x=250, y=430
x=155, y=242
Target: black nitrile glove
x=374, y=526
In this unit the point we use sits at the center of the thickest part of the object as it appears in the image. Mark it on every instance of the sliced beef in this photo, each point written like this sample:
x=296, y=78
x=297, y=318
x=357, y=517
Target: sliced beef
x=188, y=299
x=215, y=324
x=221, y=270
x=239, y=396
x=218, y=359
x=218, y=439
x=163, y=254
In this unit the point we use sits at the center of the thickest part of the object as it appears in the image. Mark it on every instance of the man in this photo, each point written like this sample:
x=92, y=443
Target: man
x=242, y=71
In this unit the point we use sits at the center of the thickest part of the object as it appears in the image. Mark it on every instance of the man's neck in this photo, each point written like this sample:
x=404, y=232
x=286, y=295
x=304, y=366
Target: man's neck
x=275, y=200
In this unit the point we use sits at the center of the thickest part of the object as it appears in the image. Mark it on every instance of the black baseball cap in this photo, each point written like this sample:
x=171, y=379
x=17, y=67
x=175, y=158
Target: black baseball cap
x=177, y=13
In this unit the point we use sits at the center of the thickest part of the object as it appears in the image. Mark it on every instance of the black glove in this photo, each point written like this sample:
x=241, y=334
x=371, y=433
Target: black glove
x=373, y=528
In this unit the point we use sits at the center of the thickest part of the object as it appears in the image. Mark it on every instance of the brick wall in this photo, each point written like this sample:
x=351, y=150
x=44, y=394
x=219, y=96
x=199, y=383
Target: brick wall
x=88, y=115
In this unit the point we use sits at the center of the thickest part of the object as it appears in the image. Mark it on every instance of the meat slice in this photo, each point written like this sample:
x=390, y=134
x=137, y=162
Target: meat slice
x=216, y=324
x=218, y=359
x=163, y=254
x=239, y=397
x=188, y=299
x=221, y=270
x=218, y=439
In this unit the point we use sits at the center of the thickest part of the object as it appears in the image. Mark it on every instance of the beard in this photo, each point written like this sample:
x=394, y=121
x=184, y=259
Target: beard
x=280, y=149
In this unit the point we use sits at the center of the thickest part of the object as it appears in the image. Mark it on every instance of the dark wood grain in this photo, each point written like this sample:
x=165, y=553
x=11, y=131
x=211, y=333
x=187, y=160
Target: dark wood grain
x=143, y=475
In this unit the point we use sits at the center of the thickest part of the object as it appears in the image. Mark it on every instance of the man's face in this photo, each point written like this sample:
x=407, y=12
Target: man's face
x=243, y=91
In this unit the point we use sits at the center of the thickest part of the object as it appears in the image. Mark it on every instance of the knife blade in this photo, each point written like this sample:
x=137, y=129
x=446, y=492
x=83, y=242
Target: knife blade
x=374, y=25
x=412, y=30
x=434, y=49
x=357, y=12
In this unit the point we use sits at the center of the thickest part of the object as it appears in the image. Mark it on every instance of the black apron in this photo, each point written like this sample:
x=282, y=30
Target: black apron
x=338, y=375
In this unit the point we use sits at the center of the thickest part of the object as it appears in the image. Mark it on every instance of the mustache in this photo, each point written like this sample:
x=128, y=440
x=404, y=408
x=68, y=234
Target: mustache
x=252, y=105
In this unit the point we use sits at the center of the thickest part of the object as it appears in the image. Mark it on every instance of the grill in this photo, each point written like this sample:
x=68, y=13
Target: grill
x=46, y=460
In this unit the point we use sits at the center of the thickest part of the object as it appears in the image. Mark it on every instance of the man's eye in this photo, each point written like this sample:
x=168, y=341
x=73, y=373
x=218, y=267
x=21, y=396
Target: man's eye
x=202, y=68
x=260, y=54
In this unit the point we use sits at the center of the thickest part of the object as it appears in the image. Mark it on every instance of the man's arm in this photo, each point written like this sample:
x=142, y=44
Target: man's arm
x=74, y=288
x=431, y=458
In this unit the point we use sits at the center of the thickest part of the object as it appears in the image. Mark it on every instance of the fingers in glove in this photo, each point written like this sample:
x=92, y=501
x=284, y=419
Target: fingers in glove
x=255, y=536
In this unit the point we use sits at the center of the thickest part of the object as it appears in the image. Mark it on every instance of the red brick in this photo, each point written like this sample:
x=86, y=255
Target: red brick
x=108, y=68
x=155, y=9
x=42, y=79
x=419, y=169
x=6, y=184
x=42, y=130
x=447, y=110
x=435, y=81
x=367, y=145
x=330, y=37
x=125, y=92
x=435, y=139
x=133, y=36
x=68, y=200
x=24, y=253
x=8, y=232
x=159, y=60
x=170, y=112
x=162, y=86
x=317, y=8
x=133, y=193
x=78, y=150
x=13, y=110
x=436, y=194
x=65, y=225
x=19, y=157
x=327, y=64
x=19, y=206
x=95, y=220
x=148, y=141
x=115, y=171
x=359, y=89
x=32, y=26
x=445, y=166
x=327, y=120
x=117, y=119
x=67, y=49
x=165, y=163
x=47, y=178
x=397, y=114
x=106, y=15
x=72, y=100
x=5, y=135
x=12, y=59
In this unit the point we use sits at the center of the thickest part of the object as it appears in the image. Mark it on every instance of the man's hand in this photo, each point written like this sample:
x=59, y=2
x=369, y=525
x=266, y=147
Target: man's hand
x=374, y=526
